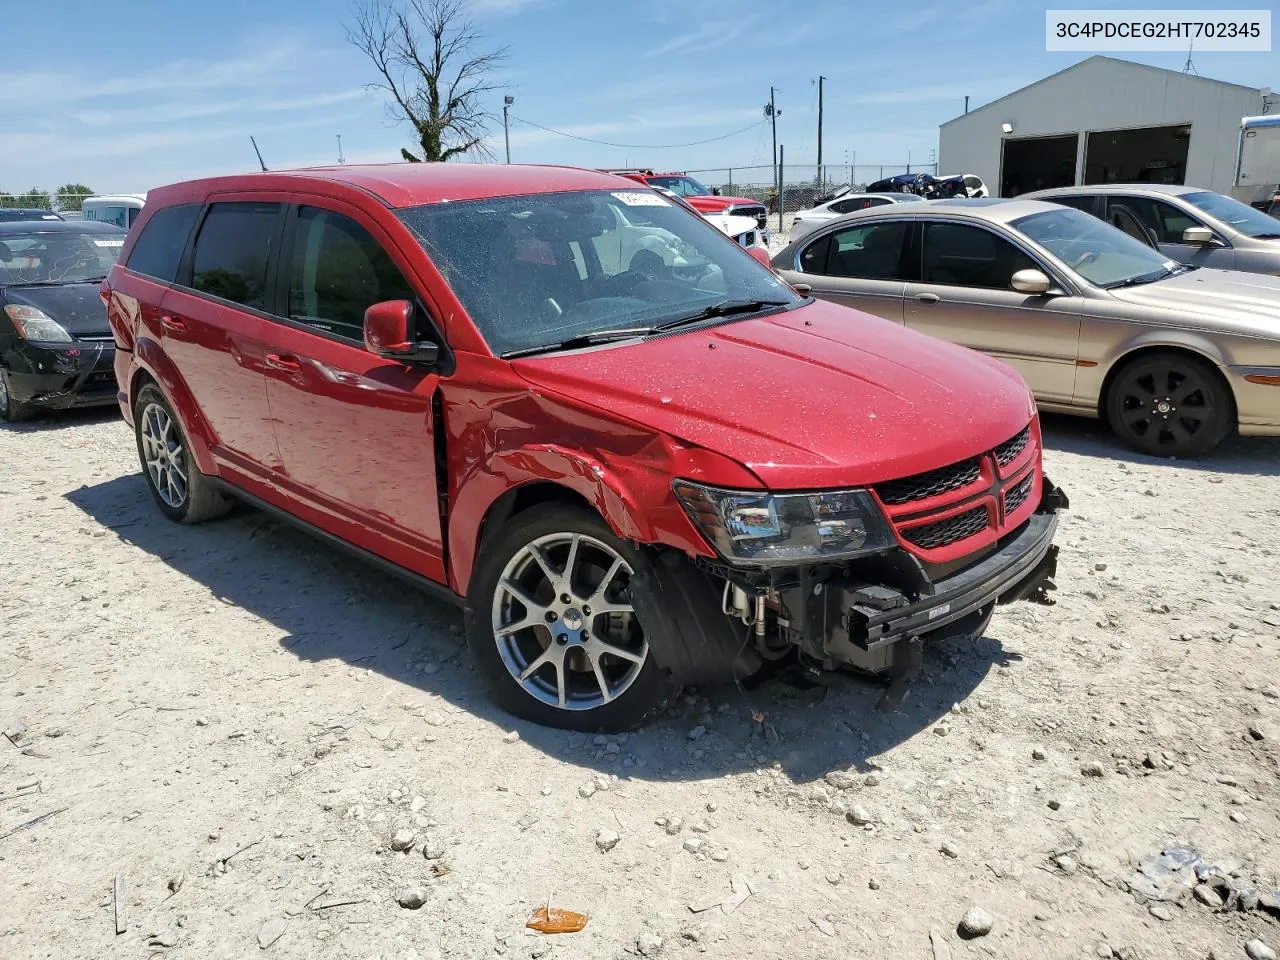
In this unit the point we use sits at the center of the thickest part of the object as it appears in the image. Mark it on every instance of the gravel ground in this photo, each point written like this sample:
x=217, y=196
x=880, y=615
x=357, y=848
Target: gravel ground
x=238, y=726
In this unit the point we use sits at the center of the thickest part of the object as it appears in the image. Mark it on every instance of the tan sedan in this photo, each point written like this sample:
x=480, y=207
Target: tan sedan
x=1099, y=324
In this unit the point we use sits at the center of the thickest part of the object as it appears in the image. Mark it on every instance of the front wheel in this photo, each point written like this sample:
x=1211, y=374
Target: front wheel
x=551, y=626
x=11, y=410
x=1170, y=405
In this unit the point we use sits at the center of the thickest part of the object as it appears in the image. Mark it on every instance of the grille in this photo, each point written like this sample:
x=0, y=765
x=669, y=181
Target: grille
x=1010, y=450
x=1017, y=495
x=757, y=211
x=945, y=532
x=929, y=484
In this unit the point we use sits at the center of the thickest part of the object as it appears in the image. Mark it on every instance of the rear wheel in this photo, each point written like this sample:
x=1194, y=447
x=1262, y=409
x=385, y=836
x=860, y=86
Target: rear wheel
x=551, y=626
x=1170, y=405
x=11, y=410
x=180, y=490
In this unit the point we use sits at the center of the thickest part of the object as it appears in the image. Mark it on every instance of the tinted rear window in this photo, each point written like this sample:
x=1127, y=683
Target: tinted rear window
x=232, y=250
x=159, y=247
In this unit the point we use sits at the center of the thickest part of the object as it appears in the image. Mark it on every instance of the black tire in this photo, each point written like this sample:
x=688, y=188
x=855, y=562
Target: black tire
x=644, y=688
x=11, y=410
x=199, y=499
x=1169, y=404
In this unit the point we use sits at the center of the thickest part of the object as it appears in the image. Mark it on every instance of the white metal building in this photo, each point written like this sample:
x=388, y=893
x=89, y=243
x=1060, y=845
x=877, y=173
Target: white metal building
x=1104, y=121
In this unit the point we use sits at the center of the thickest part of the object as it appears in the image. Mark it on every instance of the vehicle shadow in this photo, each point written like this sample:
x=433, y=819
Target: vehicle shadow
x=333, y=607
x=47, y=420
x=1257, y=456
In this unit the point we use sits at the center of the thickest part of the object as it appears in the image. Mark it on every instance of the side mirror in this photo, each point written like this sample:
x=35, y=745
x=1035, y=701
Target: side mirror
x=761, y=254
x=804, y=289
x=388, y=332
x=1030, y=281
x=1201, y=236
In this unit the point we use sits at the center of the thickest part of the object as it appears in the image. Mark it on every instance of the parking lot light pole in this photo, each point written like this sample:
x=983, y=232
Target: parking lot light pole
x=507, y=101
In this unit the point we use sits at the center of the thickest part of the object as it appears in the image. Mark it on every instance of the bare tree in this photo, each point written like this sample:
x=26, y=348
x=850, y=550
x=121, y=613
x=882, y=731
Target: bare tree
x=424, y=51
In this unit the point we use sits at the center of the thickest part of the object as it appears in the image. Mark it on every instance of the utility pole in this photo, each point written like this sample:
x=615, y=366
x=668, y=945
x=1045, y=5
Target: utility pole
x=772, y=112
x=507, y=101
x=340, y=158
x=781, y=154
x=821, y=179
x=966, y=103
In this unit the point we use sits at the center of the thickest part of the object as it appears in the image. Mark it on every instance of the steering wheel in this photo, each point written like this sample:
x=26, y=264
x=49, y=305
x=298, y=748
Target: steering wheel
x=1087, y=257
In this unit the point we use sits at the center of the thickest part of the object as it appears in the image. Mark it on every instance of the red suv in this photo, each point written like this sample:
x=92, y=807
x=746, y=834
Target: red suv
x=633, y=454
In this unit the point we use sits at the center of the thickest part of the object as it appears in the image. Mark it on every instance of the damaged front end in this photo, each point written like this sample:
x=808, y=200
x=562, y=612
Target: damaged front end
x=870, y=607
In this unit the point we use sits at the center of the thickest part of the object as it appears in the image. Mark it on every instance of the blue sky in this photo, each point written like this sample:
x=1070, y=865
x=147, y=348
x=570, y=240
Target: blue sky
x=145, y=92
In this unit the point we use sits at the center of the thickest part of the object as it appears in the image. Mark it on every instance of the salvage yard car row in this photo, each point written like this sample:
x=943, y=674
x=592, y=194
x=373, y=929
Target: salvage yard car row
x=637, y=457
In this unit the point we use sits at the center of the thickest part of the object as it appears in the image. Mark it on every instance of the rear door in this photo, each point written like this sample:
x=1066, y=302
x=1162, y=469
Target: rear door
x=211, y=327
x=863, y=265
x=964, y=296
x=355, y=430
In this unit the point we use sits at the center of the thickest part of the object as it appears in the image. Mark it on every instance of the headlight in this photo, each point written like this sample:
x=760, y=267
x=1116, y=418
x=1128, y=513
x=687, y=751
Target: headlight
x=765, y=529
x=34, y=324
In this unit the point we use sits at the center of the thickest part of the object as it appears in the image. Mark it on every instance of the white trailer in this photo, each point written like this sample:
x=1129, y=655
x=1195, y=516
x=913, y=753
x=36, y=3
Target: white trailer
x=1258, y=162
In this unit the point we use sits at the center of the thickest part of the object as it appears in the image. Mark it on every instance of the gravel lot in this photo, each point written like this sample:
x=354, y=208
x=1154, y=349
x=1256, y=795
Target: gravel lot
x=237, y=725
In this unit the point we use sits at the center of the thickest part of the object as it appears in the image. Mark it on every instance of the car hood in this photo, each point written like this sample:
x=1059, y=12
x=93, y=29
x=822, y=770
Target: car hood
x=729, y=224
x=75, y=306
x=1206, y=299
x=818, y=396
x=712, y=203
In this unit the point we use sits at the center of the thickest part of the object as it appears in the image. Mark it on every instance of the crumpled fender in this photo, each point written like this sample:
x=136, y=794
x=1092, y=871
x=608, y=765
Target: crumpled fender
x=149, y=356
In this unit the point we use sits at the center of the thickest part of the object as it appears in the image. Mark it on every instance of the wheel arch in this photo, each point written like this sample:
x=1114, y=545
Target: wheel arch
x=154, y=367
x=1202, y=351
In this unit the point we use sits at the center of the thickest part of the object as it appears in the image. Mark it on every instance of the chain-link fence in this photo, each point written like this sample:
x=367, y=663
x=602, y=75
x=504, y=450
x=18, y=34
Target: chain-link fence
x=804, y=184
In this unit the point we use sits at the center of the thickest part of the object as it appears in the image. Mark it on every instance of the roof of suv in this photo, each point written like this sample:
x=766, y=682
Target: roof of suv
x=411, y=184
x=1162, y=189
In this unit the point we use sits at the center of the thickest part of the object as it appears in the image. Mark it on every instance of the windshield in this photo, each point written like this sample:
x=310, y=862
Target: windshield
x=61, y=256
x=535, y=271
x=1237, y=215
x=1097, y=251
x=681, y=186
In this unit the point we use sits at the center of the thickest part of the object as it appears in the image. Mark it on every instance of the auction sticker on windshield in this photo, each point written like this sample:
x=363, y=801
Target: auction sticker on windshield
x=641, y=198
x=108, y=243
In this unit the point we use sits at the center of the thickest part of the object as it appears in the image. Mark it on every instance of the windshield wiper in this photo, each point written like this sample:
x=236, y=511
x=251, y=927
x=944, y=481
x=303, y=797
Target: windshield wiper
x=725, y=308
x=52, y=283
x=1143, y=278
x=1266, y=236
x=583, y=340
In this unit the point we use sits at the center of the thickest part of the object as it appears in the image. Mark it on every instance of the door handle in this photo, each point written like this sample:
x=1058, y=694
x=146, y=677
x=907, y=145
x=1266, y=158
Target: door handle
x=284, y=361
x=927, y=298
x=173, y=324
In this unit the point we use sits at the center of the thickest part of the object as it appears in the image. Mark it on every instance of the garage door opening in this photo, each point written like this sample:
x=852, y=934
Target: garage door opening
x=1147, y=155
x=1038, y=163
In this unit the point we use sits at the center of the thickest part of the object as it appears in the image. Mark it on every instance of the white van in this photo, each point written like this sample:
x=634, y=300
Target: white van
x=121, y=209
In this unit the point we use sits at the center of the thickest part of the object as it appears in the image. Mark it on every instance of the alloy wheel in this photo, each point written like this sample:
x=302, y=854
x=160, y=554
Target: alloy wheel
x=164, y=456
x=4, y=392
x=564, y=624
x=1165, y=405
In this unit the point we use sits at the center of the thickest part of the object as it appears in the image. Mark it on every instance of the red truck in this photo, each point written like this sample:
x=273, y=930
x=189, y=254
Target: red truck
x=703, y=199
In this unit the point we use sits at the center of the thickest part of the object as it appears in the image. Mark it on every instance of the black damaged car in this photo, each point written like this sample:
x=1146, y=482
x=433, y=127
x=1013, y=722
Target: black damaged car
x=56, y=349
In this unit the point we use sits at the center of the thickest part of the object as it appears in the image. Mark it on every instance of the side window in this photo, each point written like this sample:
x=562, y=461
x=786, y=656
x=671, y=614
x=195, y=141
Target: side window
x=338, y=272
x=133, y=215
x=814, y=257
x=845, y=206
x=159, y=246
x=232, y=250
x=1083, y=203
x=871, y=251
x=1162, y=221
x=1172, y=222
x=965, y=256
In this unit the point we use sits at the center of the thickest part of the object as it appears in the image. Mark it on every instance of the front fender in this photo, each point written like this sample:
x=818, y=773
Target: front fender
x=1090, y=380
x=150, y=357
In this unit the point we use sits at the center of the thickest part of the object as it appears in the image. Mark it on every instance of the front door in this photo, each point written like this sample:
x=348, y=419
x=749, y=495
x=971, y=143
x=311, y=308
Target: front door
x=1163, y=223
x=355, y=430
x=212, y=327
x=965, y=297
x=862, y=266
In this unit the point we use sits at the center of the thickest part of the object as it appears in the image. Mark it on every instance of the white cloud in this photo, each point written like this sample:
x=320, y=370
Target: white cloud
x=708, y=36
x=170, y=112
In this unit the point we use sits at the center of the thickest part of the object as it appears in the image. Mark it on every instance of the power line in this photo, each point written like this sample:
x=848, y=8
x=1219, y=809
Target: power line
x=636, y=146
